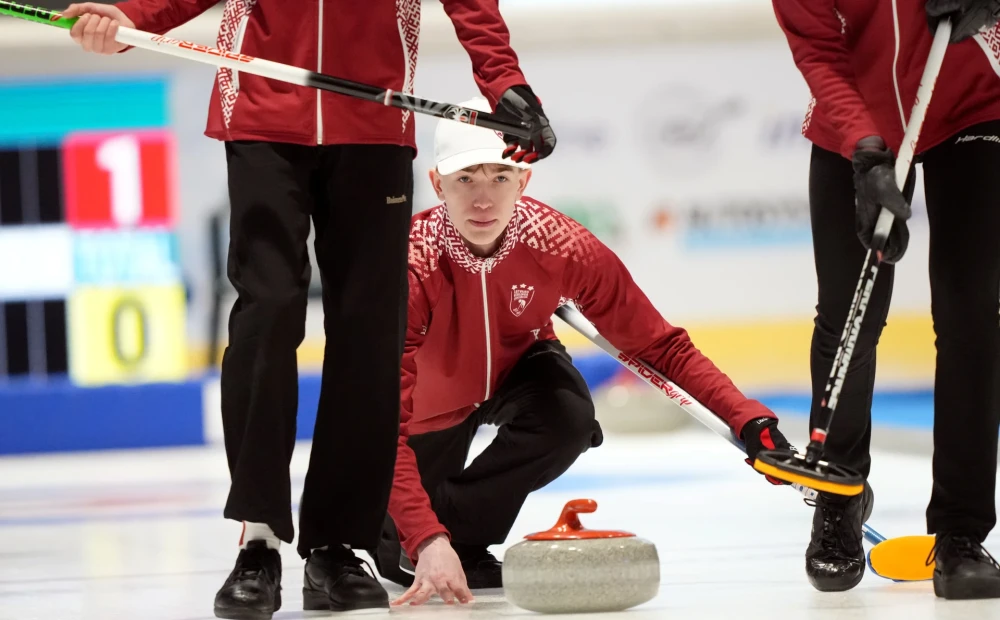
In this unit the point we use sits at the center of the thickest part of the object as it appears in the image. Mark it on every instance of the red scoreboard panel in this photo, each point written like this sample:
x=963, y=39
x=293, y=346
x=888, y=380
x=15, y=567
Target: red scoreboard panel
x=119, y=181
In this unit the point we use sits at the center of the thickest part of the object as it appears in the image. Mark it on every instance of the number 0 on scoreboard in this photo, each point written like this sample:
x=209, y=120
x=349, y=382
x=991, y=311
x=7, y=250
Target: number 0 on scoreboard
x=125, y=335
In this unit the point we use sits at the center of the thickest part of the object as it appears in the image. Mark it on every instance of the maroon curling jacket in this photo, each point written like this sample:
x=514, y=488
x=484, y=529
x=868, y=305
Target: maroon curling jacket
x=369, y=41
x=863, y=60
x=471, y=319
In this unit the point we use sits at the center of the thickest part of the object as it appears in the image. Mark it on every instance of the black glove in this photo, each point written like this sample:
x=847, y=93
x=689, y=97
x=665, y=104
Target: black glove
x=521, y=103
x=875, y=187
x=968, y=17
x=763, y=434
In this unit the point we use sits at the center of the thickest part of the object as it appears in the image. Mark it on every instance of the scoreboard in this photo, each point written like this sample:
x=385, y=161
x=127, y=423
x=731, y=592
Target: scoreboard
x=90, y=277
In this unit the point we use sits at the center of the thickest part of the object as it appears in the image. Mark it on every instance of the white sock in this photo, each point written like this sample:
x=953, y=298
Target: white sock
x=258, y=531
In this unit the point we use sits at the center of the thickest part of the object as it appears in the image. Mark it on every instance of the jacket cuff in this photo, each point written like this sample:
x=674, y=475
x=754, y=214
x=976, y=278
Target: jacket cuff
x=753, y=411
x=498, y=88
x=850, y=143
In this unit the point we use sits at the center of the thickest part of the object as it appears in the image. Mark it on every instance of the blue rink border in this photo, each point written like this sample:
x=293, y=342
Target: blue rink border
x=56, y=416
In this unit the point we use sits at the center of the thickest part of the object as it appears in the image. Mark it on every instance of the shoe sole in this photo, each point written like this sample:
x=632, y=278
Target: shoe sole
x=241, y=613
x=965, y=589
x=822, y=587
x=231, y=613
x=398, y=572
x=317, y=600
x=244, y=613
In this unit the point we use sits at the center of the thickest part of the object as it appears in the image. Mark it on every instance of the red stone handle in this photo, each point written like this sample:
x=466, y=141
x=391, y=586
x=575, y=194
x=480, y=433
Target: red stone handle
x=569, y=527
x=569, y=520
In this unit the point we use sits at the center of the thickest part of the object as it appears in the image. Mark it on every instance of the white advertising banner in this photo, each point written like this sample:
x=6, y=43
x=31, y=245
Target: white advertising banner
x=689, y=162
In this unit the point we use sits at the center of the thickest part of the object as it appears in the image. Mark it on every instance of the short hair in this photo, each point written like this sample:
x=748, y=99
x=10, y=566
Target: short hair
x=492, y=168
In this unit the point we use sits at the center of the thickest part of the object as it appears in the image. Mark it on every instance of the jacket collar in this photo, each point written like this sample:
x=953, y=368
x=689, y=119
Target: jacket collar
x=457, y=251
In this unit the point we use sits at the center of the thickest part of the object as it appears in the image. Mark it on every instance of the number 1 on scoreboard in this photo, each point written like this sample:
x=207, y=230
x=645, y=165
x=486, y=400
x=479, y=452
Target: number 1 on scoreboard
x=119, y=180
x=119, y=158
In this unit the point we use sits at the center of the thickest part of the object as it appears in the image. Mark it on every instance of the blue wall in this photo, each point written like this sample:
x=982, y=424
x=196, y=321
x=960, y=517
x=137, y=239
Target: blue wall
x=55, y=416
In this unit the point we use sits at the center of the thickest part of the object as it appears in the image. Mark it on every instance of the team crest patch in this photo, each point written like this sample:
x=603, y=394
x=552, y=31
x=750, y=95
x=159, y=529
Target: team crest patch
x=520, y=297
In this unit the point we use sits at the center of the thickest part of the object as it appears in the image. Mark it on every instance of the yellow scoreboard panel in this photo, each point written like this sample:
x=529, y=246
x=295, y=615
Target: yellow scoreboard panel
x=126, y=335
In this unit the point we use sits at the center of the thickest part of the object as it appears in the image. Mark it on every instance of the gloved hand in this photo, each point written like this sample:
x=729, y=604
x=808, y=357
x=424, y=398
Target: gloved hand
x=521, y=103
x=968, y=17
x=875, y=187
x=763, y=434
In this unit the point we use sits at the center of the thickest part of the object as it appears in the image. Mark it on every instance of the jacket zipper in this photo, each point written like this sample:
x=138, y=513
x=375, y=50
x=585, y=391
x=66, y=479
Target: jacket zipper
x=486, y=318
x=895, y=59
x=319, y=69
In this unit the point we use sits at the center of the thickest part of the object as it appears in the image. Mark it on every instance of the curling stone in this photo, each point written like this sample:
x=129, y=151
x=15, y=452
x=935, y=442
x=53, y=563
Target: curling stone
x=570, y=569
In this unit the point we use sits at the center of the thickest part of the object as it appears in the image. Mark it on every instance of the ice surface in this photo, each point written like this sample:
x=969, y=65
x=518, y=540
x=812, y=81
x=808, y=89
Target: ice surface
x=139, y=535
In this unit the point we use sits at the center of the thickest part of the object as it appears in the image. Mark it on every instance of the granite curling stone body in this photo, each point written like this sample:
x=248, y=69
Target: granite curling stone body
x=570, y=569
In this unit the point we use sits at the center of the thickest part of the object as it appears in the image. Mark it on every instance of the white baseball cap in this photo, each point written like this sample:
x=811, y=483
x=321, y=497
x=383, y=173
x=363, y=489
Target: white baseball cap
x=458, y=145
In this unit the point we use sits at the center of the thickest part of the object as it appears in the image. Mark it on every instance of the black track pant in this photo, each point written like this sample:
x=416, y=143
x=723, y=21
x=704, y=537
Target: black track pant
x=359, y=199
x=545, y=416
x=962, y=188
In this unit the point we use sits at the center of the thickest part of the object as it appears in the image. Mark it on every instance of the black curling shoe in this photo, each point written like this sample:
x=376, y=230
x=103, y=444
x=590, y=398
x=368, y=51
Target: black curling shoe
x=963, y=568
x=253, y=590
x=482, y=569
x=835, y=558
x=335, y=580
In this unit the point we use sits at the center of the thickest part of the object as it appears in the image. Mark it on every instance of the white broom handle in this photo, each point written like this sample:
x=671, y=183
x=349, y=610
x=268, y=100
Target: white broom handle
x=212, y=56
x=650, y=375
x=907, y=149
x=682, y=399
